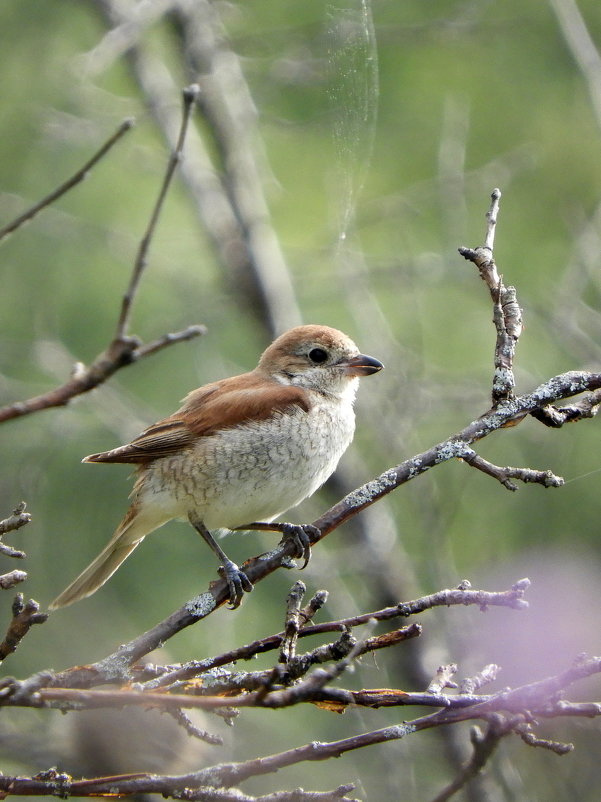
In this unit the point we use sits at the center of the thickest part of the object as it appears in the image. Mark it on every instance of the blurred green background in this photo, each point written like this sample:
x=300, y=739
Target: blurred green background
x=390, y=125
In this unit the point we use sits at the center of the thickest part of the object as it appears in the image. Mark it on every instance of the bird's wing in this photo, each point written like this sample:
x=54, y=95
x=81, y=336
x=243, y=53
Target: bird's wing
x=160, y=440
x=216, y=406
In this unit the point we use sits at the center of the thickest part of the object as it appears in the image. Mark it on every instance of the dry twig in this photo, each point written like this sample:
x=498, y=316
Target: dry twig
x=25, y=615
x=123, y=349
x=75, y=179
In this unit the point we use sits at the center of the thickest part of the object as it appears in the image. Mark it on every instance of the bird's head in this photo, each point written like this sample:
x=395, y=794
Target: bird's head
x=317, y=358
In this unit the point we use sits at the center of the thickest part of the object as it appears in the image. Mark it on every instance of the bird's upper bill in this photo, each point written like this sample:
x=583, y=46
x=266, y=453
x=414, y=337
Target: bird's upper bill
x=361, y=365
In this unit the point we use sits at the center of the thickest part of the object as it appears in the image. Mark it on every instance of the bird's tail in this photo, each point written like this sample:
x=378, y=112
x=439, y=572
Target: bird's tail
x=129, y=534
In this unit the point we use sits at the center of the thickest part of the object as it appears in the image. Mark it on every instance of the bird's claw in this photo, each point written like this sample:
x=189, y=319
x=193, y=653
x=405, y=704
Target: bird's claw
x=300, y=535
x=237, y=582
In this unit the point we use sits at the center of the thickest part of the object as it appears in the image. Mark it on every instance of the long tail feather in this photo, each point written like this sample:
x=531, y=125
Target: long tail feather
x=129, y=534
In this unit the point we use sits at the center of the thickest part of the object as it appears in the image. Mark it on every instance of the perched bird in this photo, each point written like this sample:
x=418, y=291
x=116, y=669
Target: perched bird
x=239, y=451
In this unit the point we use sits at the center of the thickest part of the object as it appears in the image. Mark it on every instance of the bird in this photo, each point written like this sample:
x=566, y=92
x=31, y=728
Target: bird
x=240, y=451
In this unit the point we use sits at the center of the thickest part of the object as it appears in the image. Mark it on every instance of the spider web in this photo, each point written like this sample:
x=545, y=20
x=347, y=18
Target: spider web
x=353, y=95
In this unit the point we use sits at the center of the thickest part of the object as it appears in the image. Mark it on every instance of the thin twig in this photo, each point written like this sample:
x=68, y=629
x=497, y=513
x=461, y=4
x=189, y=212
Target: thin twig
x=484, y=746
x=524, y=730
x=504, y=475
x=119, y=354
x=190, y=96
x=203, y=735
x=171, y=338
x=75, y=179
x=124, y=349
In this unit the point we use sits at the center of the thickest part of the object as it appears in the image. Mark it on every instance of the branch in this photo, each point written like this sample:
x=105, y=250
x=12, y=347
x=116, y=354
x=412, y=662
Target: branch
x=185, y=786
x=231, y=118
x=124, y=349
x=507, y=313
x=13, y=578
x=190, y=96
x=25, y=615
x=292, y=625
x=75, y=179
x=483, y=746
x=504, y=475
x=15, y=521
x=119, y=354
x=117, y=666
x=538, y=698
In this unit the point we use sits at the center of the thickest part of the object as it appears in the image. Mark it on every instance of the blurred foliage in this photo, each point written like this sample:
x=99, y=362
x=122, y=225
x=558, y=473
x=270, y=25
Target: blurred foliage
x=472, y=95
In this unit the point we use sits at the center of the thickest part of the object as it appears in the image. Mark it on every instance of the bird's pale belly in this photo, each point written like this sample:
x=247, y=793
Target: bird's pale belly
x=252, y=472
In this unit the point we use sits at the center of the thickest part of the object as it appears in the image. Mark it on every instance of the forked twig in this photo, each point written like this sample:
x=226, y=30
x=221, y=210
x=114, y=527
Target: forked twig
x=124, y=349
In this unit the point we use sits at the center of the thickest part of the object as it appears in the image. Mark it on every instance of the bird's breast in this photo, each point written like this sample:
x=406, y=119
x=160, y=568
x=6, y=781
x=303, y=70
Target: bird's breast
x=255, y=470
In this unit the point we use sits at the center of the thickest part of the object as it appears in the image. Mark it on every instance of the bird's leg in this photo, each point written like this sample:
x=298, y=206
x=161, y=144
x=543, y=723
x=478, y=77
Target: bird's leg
x=237, y=581
x=302, y=535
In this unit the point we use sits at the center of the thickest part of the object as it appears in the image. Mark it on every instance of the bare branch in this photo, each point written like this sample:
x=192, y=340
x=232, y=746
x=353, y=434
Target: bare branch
x=491, y=219
x=117, y=666
x=119, y=354
x=524, y=730
x=25, y=615
x=15, y=521
x=484, y=746
x=124, y=349
x=315, y=604
x=507, y=315
x=488, y=674
x=229, y=198
x=292, y=625
x=504, y=475
x=190, y=96
x=229, y=111
x=53, y=783
x=171, y=338
x=443, y=679
x=75, y=179
x=184, y=721
x=555, y=417
x=13, y=578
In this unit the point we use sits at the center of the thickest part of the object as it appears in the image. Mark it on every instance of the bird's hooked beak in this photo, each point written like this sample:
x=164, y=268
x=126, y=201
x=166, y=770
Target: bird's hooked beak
x=361, y=365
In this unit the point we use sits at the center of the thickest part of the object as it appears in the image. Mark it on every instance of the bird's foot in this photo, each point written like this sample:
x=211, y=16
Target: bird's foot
x=300, y=535
x=237, y=582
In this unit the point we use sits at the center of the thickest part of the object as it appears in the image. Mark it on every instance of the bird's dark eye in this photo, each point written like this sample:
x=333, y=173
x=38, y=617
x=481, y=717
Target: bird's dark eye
x=318, y=355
